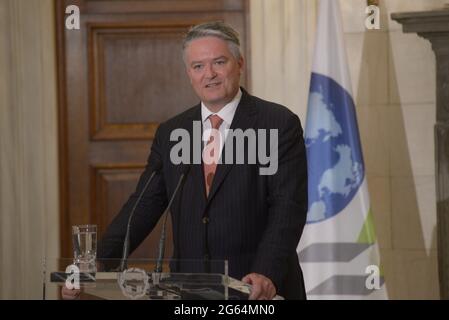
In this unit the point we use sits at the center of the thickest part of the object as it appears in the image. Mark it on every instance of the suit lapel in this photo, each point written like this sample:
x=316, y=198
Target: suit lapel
x=244, y=118
x=196, y=169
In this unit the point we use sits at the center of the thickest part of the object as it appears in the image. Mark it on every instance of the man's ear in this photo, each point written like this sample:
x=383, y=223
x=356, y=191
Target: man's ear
x=188, y=73
x=241, y=63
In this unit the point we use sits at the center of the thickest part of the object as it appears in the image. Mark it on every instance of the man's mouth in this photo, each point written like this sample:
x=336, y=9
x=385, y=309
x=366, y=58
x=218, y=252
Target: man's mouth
x=213, y=85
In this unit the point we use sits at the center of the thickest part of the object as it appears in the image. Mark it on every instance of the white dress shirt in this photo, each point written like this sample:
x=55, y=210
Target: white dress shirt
x=226, y=113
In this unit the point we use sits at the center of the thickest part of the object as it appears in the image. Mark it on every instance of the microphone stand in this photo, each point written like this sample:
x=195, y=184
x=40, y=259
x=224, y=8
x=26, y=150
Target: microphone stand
x=161, y=252
x=126, y=243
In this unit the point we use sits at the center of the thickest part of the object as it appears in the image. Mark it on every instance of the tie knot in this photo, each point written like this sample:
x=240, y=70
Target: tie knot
x=215, y=121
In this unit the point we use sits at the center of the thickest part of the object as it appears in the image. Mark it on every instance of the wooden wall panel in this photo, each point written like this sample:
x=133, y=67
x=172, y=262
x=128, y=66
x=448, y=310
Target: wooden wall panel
x=122, y=55
x=111, y=185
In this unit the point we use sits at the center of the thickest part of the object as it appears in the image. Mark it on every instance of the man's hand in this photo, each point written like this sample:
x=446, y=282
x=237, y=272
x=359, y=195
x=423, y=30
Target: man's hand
x=262, y=287
x=70, y=294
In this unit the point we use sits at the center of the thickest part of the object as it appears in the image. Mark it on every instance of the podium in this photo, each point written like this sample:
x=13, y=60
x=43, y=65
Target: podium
x=104, y=279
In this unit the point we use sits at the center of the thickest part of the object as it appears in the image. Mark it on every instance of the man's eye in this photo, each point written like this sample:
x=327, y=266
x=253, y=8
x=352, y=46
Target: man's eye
x=220, y=62
x=197, y=67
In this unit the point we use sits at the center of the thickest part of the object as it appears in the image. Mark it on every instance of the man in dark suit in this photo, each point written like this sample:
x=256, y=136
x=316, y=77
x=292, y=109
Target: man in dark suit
x=224, y=210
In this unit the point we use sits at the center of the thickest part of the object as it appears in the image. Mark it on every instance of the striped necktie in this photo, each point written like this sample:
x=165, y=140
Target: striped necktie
x=211, y=152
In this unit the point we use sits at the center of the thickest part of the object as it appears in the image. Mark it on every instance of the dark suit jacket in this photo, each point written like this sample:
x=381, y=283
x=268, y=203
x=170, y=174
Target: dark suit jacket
x=254, y=221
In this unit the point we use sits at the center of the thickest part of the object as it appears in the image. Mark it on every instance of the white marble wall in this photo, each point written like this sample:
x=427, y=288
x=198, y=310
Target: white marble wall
x=29, y=213
x=393, y=76
x=393, y=79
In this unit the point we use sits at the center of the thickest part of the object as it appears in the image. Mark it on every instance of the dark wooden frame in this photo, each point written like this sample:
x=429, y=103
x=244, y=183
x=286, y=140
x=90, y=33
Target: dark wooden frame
x=113, y=7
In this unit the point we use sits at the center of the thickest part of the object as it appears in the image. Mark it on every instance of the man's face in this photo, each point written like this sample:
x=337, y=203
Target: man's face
x=213, y=71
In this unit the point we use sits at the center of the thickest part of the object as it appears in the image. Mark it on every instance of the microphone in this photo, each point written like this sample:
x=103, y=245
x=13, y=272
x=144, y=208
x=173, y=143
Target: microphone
x=123, y=263
x=184, y=171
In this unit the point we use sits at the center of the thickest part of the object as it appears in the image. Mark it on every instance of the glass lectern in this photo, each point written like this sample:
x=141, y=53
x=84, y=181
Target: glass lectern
x=137, y=279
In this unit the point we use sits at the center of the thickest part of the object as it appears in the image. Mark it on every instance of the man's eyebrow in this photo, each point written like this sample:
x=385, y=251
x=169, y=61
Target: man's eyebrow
x=214, y=59
x=195, y=62
x=220, y=57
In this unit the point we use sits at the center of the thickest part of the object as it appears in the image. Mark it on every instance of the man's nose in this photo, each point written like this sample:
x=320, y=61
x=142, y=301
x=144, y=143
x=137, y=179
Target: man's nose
x=210, y=71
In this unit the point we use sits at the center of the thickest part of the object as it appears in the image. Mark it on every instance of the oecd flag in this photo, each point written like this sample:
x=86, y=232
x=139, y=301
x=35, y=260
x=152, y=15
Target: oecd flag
x=338, y=250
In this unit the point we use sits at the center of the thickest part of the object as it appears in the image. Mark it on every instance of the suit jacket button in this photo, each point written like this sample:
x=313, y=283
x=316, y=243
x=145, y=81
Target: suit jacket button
x=205, y=220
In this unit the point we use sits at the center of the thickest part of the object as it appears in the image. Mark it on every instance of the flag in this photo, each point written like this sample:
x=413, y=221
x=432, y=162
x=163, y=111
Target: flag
x=338, y=250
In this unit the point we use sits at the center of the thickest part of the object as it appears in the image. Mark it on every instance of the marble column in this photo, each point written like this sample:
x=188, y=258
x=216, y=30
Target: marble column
x=434, y=26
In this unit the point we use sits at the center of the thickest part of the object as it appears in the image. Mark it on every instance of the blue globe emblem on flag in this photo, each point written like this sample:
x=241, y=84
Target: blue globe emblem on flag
x=334, y=157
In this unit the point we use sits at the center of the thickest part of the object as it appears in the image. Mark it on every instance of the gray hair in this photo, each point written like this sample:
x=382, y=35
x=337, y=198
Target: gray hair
x=216, y=29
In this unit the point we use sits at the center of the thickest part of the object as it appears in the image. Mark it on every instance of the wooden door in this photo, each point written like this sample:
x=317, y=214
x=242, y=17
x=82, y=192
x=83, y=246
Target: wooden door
x=121, y=75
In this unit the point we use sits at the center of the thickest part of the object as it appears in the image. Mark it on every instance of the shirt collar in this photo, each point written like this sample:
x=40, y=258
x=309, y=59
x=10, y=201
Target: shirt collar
x=226, y=113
